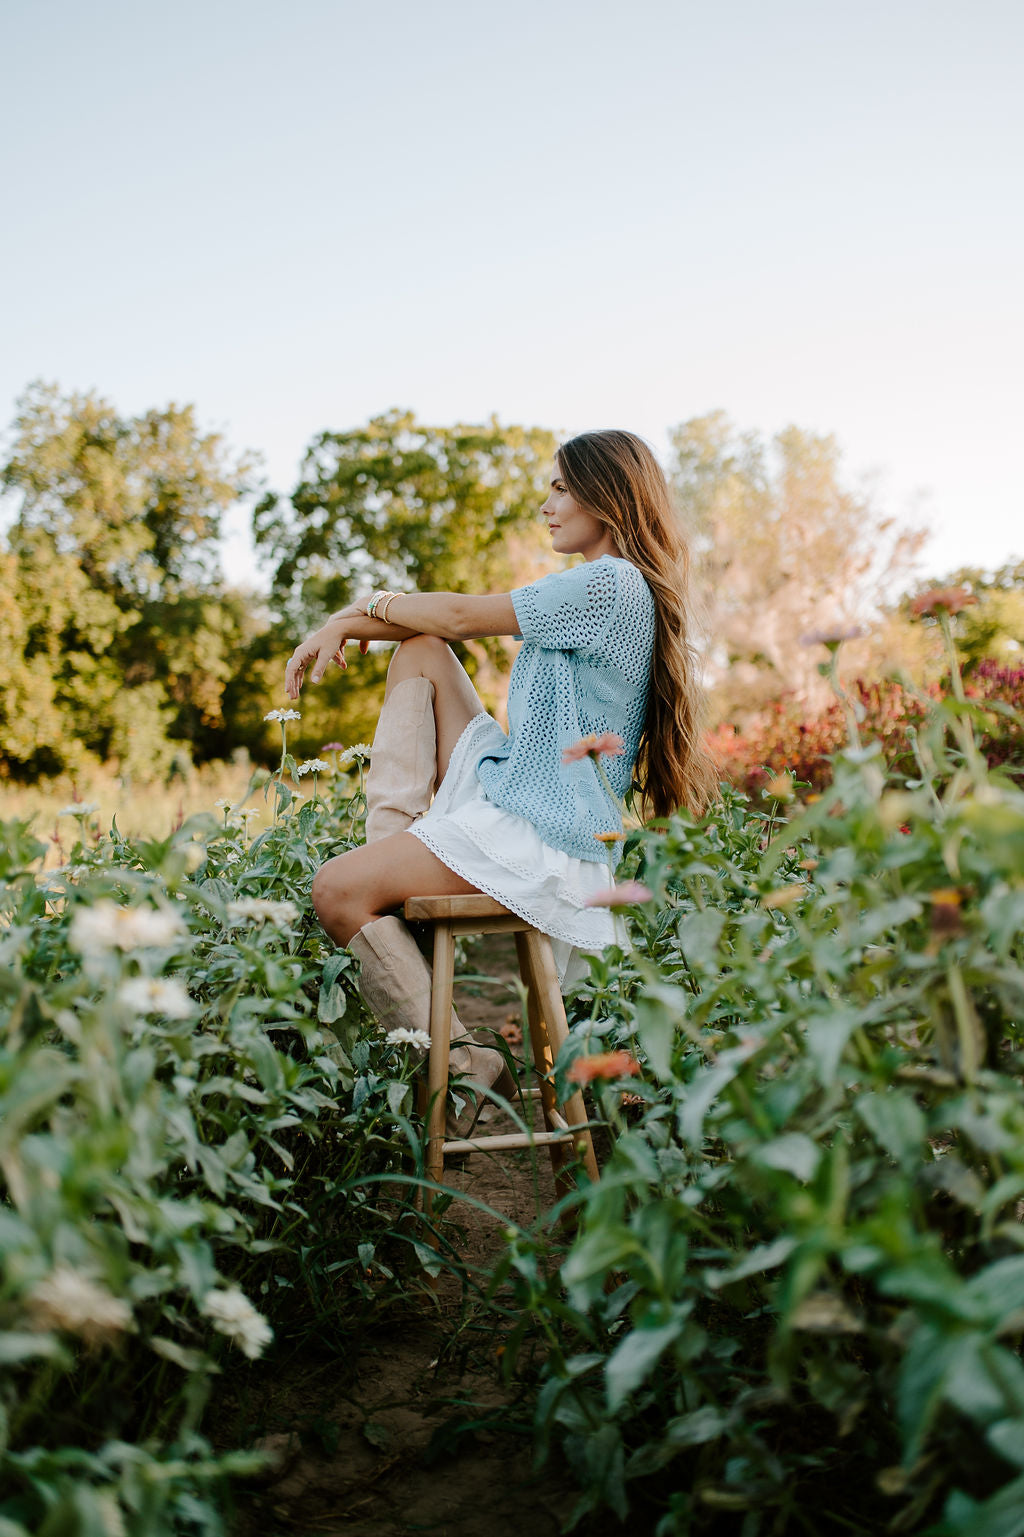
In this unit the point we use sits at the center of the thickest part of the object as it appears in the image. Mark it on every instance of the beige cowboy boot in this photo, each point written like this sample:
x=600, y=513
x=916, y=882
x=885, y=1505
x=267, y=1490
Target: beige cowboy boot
x=394, y=981
x=403, y=760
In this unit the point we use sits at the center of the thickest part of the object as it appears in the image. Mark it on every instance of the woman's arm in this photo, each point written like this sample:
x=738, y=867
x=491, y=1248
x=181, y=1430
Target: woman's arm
x=452, y=615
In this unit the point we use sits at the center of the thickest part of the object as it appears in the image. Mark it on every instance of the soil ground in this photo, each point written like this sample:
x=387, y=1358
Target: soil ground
x=415, y=1432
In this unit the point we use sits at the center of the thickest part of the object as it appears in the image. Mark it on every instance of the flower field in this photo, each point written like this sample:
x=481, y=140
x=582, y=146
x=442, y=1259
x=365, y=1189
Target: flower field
x=794, y=1302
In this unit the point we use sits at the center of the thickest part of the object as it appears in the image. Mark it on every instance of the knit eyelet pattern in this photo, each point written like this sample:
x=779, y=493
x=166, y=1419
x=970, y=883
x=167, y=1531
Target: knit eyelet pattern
x=583, y=668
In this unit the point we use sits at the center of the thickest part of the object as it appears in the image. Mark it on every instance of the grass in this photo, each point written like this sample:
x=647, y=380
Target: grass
x=148, y=810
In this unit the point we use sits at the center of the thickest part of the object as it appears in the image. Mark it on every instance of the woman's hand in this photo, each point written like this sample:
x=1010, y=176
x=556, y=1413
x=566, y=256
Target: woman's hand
x=324, y=645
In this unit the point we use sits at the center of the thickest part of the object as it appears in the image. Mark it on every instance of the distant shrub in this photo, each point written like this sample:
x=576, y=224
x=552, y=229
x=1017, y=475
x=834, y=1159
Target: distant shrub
x=783, y=740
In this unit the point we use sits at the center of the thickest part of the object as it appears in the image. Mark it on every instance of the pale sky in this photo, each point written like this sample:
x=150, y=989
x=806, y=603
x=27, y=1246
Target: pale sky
x=571, y=213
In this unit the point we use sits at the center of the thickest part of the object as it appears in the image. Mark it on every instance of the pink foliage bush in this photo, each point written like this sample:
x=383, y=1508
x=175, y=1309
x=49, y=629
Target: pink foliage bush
x=781, y=740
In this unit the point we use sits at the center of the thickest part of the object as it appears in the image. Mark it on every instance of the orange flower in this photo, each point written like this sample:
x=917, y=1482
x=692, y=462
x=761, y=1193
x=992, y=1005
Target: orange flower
x=785, y=896
x=946, y=919
x=607, y=745
x=951, y=599
x=607, y=1064
x=610, y=837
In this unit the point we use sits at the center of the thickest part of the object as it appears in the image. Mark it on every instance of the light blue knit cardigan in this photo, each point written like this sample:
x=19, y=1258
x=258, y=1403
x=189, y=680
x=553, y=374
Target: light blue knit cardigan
x=588, y=637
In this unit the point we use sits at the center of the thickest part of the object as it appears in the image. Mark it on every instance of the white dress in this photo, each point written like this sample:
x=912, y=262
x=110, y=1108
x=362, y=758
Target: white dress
x=503, y=855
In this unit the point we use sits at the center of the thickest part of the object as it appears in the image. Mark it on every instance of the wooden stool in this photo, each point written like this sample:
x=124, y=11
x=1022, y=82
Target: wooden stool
x=565, y=1131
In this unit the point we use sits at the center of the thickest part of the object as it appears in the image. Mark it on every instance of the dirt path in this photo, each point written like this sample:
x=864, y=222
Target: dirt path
x=420, y=1435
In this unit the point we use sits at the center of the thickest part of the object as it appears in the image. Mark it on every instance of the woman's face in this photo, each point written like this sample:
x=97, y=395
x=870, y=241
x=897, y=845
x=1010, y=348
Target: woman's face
x=574, y=531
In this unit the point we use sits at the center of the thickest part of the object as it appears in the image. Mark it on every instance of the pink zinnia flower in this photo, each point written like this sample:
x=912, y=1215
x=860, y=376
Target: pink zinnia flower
x=832, y=638
x=952, y=599
x=606, y=1064
x=607, y=745
x=625, y=894
x=333, y=747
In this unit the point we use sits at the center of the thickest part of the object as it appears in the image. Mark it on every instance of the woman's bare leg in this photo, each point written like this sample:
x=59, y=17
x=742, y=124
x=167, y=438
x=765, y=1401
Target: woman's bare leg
x=356, y=888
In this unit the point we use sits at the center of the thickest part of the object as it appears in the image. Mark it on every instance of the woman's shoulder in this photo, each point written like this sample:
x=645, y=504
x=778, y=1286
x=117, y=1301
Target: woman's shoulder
x=629, y=579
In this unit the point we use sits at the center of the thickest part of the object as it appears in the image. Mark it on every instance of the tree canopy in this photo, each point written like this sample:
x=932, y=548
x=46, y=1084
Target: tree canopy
x=120, y=633
x=785, y=548
x=399, y=503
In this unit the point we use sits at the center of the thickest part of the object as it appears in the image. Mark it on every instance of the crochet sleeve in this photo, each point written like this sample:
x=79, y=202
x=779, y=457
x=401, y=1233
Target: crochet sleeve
x=570, y=610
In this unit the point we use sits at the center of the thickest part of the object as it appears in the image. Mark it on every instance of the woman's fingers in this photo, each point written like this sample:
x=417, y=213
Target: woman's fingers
x=296, y=668
x=318, y=649
x=326, y=654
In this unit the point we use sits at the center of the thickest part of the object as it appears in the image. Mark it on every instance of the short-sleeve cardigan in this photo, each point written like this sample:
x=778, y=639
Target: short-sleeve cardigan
x=588, y=635
x=509, y=816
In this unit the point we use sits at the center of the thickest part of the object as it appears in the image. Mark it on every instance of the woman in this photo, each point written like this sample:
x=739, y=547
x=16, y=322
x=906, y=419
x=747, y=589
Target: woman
x=605, y=650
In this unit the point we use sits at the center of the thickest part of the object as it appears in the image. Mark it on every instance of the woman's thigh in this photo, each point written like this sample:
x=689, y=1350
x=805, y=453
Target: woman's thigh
x=456, y=701
x=355, y=888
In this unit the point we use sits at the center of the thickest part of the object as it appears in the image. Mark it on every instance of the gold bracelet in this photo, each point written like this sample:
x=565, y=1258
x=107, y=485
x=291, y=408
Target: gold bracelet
x=387, y=604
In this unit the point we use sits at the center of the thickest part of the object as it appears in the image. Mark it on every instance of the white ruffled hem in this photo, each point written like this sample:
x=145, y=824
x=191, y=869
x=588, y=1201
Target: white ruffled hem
x=504, y=856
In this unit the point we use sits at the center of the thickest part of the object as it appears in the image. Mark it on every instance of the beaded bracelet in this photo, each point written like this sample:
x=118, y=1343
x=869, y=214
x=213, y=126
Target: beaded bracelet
x=378, y=597
x=387, y=604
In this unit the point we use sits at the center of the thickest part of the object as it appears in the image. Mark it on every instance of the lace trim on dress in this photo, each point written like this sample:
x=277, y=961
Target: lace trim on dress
x=555, y=931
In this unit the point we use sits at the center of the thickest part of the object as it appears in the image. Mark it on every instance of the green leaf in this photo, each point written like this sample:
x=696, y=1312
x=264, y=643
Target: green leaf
x=827, y=1035
x=656, y=1030
x=699, y=933
x=634, y=1356
x=1007, y=1438
x=23, y=1345
x=795, y=1152
x=894, y=1119
x=999, y=1288
x=765, y=1257
x=1000, y=1516
x=333, y=1004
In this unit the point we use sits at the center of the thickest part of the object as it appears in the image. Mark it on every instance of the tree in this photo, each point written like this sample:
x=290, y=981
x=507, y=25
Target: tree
x=400, y=504
x=438, y=508
x=124, y=626
x=784, y=548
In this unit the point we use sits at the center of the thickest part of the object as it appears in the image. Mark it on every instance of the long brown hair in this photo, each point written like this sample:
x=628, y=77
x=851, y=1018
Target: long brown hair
x=616, y=478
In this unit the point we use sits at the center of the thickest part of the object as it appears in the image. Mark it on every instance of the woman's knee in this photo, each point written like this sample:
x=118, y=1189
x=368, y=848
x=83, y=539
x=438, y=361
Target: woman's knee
x=334, y=900
x=420, y=655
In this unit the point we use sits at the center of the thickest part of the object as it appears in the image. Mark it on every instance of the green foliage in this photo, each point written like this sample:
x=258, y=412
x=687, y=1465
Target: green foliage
x=798, y=1285
x=119, y=636
x=194, y=1119
x=398, y=503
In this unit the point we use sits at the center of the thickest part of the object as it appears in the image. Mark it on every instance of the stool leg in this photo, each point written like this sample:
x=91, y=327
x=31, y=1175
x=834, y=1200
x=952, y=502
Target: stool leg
x=540, y=1044
x=547, y=1036
x=440, y=1043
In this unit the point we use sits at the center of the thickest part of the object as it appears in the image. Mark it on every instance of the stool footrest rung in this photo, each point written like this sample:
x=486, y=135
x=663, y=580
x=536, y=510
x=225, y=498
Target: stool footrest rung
x=512, y=1139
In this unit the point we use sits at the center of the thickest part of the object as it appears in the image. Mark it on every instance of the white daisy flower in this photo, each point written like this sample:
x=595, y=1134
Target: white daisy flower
x=403, y=1036
x=359, y=752
x=261, y=910
x=233, y=1314
x=156, y=995
x=69, y=1300
x=85, y=810
x=283, y=715
x=105, y=926
x=312, y=766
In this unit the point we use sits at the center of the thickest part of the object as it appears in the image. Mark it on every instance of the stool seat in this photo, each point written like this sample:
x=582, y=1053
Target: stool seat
x=566, y=1134
x=476, y=905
